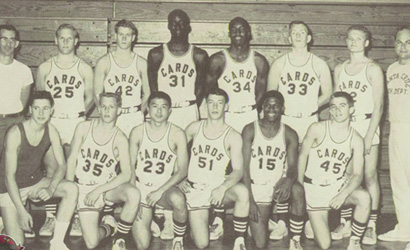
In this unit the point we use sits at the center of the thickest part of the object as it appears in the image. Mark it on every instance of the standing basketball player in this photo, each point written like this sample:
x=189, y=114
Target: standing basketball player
x=178, y=69
x=241, y=72
x=159, y=152
x=270, y=150
x=21, y=169
x=329, y=150
x=398, y=85
x=363, y=79
x=69, y=79
x=98, y=146
x=125, y=72
x=305, y=82
x=214, y=144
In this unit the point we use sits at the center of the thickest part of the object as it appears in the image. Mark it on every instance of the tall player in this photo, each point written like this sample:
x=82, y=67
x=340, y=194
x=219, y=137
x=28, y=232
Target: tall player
x=98, y=147
x=270, y=151
x=158, y=149
x=329, y=151
x=398, y=85
x=214, y=145
x=363, y=79
x=69, y=79
x=305, y=82
x=125, y=72
x=23, y=177
x=178, y=68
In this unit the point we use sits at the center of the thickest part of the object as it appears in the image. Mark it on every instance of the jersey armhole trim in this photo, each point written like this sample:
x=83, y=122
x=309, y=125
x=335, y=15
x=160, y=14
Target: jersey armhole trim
x=324, y=137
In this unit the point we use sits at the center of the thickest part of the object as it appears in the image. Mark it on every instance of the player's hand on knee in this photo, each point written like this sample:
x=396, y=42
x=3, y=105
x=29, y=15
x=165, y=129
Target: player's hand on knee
x=338, y=201
x=25, y=220
x=92, y=197
x=217, y=195
x=45, y=194
x=283, y=188
x=154, y=197
x=254, y=212
x=185, y=186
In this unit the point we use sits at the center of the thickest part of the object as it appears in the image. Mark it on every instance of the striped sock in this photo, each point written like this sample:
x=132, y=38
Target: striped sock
x=373, y=216
x=51, y=209
x=239, y=225
x=283, y=211
x=358, y=229
x=296, y=226
x=219, y=212
x=123, y=228
x=108, y=230
x=179, y=228
x=346, y=213
x=108, y=210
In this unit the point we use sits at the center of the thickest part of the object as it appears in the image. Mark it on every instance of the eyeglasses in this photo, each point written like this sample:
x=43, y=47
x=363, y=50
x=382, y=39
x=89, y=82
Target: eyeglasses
x=6, y=39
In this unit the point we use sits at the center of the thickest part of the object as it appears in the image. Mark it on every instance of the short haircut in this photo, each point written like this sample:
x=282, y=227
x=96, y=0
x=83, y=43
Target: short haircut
x=345, y=95
x=272, y=94
x=160, y=95
x=113, y=95
x=180, y=13
x=41, y=94
x=401, y=28
x=240, y=20
x=309, y=32
x=361, y=28
x=11, y=28
x=218, y=91
x=126, y=24
x=67, y=26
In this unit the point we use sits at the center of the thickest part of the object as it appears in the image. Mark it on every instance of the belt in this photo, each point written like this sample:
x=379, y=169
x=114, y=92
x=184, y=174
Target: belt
x=300, y=115
x=243, y=109
x=69, y=116
x=361, y=117
x=14, y=115
x=184, y=104
x=322, y=183
x=129, y=110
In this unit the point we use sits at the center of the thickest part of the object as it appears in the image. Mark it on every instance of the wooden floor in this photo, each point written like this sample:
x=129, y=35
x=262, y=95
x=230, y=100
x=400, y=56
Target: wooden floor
x=385, y=223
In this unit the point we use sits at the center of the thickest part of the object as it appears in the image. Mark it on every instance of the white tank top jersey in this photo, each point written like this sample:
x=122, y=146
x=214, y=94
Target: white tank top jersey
x=300, y=88
x=67, y=88
x=268, y=155
x=177, y=75
x=96, y=162
x=156, y=159
x=329, y=159
x=238, y=79
x=359, y=87
x=125, y=81
x=398, y=85
x=209, y=158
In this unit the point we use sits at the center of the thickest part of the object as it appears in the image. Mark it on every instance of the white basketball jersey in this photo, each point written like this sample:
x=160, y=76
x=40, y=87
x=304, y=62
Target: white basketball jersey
x=177, y=75
x=67, y=88
x=238, y=80
x=268, y=155
x=156, y=159
x=300, y=87
x=329, y=159
x=209, y=158
x=398, y=85
x=96, y=162
x=125, y=81
x=359, y=87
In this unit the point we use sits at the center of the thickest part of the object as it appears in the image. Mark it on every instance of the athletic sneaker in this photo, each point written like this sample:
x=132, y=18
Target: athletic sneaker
x=239, y=244
x=309, y=231
x=280, y=231
x=168, y=231
x=216, y=230
x=76, y=227
x=272, y=225
x=177, y=244
x=110, y=220
x=295, y=244
x=29, y=235
x=354, y=244
x=119, y=244
x=343, y=230
x=394, y=235
x=370, y=237
x=155, y=230
x=48, y=228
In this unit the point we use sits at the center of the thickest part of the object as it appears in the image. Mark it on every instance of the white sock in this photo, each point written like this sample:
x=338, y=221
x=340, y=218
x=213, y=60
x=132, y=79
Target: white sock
x=59, y=231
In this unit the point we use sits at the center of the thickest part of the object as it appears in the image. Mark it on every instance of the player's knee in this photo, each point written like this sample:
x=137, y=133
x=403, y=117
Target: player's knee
x=201, y=243
x=143, y=244
x=324, y=244
x=298, y=193
x=260, y=243
x=363, y=199
x=370, y=178
x=91, y=242
x=70, y=190
x=133, y=195
x=241, y=192
x=177, y=200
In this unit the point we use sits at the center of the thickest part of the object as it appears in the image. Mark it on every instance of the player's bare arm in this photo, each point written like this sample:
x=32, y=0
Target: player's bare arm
x=283, y=187
x=42, y=72
x=143, y=68
x=262, y=67
x=79, y=135
x=155, y=57
x=326, y=88
x=336, y=74
x=357, y=166
x=201, y=60
x=87, y=75
x=375, y=75
x=192, y=130
x=135, y=141
x=275, y=72
x=25, y=94
x=216, y=66
x=100, y=72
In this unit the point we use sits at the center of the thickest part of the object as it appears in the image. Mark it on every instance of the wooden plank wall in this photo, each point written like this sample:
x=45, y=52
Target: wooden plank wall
x=269, y=19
